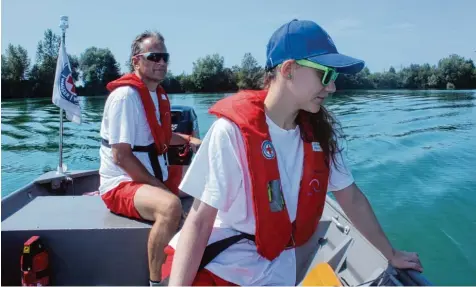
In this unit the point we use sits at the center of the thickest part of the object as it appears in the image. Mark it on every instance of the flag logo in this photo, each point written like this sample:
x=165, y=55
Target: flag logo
x=64, y=91
x=67, y=89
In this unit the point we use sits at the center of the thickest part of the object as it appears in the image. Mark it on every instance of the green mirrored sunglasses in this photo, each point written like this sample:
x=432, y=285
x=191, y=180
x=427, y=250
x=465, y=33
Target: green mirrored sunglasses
x=330, y=74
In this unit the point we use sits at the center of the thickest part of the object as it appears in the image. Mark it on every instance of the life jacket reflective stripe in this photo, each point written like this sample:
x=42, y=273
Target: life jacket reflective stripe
x=274, y=230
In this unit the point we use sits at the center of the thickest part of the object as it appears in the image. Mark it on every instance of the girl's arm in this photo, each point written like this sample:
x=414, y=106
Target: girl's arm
x=357, y=207
x=192, y=242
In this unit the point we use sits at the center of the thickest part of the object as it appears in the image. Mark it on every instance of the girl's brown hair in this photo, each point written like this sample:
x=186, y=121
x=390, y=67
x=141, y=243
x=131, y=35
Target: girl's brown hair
x=323, y=125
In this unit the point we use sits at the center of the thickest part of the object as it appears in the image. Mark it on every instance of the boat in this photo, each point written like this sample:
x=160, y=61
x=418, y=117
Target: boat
x=85, y=244
x=88, y=245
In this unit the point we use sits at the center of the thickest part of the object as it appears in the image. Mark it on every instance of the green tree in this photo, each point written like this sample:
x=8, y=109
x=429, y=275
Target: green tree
x=15, y=63
x=250, y=74
x=361, y=80
x=229, y=82
x=42, y=73
x=74, y=63
x=186, y=83
x=409, y=77
x=5, y=70
x=98, y=67
x=458, y=71
x=209, y=75
x=171, y=83
x=434, y=81
x=46, y=57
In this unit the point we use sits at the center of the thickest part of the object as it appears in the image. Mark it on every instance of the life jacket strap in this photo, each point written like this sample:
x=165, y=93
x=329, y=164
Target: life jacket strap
x=151, y=150
x=214, y=249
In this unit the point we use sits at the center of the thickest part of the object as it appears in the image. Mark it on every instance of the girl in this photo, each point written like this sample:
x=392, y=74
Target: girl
x=261, y=176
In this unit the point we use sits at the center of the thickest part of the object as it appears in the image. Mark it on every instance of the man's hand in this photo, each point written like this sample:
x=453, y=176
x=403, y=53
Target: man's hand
x=406, y=260
x=195, y=144
x=182, y=139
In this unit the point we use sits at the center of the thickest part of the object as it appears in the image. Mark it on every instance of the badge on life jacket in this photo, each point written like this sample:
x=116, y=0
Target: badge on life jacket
x=316, y=146
x=275, y=195
x=34, y=263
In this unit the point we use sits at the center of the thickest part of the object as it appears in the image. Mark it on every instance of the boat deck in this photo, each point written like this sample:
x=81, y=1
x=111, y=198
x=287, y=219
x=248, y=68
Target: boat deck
x=88, y=245
x=83, y=236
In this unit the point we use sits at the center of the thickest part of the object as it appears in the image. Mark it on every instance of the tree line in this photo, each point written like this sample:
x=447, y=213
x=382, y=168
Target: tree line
x=95, y=67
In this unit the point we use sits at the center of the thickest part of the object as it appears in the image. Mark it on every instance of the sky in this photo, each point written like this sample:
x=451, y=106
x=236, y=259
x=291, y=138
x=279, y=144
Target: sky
x=382, y=33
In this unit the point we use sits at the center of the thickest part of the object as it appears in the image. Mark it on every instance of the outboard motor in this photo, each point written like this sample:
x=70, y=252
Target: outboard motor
x=179, y=157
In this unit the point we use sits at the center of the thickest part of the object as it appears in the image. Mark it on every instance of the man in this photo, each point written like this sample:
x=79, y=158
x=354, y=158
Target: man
x=135, y=131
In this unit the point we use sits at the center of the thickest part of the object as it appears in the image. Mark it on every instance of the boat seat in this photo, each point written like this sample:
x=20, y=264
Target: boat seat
x=83, y=236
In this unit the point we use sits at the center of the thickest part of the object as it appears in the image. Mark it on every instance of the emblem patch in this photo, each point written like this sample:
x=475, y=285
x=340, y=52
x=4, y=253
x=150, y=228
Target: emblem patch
x=268, y=150
x=316, y=146
x=67, y=88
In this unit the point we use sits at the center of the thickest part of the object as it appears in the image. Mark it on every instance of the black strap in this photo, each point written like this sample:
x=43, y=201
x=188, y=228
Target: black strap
x=151, y=150
x=154, y=161
x=214, y=249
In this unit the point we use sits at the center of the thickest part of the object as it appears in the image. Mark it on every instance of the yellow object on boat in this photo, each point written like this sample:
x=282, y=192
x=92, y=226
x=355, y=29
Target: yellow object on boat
x=321, y=275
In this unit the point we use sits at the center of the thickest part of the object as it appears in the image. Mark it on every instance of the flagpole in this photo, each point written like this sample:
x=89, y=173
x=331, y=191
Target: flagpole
x=63, y=25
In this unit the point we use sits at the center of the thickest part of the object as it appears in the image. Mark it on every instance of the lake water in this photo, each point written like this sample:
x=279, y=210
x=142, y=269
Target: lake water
x=412, y=152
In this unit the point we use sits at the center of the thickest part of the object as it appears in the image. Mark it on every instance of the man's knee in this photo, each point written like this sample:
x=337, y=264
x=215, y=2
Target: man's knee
x=171, y=211
x=155, y=204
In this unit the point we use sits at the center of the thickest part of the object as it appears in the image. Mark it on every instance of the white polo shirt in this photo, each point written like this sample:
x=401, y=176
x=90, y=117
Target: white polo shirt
x=219, y=177
x=124, y=121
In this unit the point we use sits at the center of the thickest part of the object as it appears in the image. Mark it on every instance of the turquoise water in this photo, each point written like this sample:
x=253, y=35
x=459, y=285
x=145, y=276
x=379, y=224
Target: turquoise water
x=412, y=152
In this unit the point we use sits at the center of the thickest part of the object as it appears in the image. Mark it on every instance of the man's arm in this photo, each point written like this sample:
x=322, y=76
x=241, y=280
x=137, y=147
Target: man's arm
x=181, y=139
x=125, y=159
x=357, y=207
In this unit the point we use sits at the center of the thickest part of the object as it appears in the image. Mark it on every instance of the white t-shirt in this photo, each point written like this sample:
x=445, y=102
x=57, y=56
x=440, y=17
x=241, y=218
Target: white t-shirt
x=219, y=176
x=124, y=121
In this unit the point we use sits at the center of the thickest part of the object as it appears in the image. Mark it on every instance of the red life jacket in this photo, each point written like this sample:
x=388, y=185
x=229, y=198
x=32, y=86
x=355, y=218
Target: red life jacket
x=161, y=133
x=274, y=230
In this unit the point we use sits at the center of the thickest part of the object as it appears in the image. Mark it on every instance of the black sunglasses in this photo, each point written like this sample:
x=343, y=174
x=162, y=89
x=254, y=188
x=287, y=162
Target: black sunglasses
x=155, y=57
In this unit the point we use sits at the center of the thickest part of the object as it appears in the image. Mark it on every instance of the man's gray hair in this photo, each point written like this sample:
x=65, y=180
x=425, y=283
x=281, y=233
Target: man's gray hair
x=137, y=46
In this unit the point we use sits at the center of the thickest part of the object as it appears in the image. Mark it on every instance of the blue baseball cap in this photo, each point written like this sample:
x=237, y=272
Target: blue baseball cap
x=302, y=39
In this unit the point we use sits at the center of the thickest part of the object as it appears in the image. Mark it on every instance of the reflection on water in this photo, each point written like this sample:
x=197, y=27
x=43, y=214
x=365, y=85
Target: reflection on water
x=411, y=152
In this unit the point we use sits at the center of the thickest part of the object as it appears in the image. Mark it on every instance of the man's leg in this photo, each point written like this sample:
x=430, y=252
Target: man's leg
x=165, y=209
